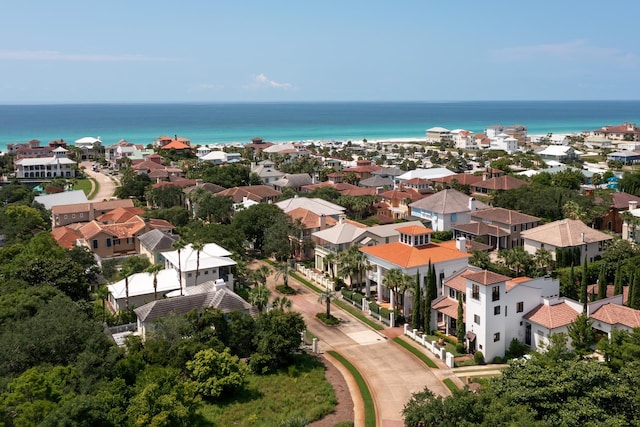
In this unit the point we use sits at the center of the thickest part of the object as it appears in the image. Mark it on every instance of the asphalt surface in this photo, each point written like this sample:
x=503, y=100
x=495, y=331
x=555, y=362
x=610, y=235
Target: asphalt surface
x=106, y=185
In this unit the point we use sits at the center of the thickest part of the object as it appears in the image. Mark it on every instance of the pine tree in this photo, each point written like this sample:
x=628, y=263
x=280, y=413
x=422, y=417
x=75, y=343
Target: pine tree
x=416, y=318
x=631, y=282
x=427, y=303
x=602, y=283
x=585, y=284
x=617, y=287
x=460, y=321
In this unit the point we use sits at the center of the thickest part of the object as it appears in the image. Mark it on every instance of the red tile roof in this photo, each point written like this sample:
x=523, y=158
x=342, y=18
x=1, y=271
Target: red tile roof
x=505, y=182
x=406, y=256
x=552, y=316
x=66, y=236
x=614, y=314
x=414, y=230
x=486, y=277
x=448, y=306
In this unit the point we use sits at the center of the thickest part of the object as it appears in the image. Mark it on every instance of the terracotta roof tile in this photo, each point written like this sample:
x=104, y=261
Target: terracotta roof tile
x=406, y=256
x=486, y=277
x=414, y=230
x=614, y=314
x=552, y=316
x=448, y=306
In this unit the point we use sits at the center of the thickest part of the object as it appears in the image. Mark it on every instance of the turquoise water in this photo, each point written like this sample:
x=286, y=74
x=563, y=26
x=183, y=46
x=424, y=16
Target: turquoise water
x=281, y=122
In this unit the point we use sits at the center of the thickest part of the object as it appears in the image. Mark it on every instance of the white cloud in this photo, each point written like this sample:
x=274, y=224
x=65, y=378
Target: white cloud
x=262, y=81
x=53, y=55
x=579, y=49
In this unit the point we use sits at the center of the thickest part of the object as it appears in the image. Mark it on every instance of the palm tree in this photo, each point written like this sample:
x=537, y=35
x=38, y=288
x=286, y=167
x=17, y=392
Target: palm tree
x=397, y=282
x=126, y=272
x=197, y=246
x=260, y=274
x=283, y=270
x=259, y=297
x=155, y=269
x=353, y=262
x=179, y=245
x=325, y=297
x=543, y=260
x=102, y=292
x=281, y=303
x=330, y=260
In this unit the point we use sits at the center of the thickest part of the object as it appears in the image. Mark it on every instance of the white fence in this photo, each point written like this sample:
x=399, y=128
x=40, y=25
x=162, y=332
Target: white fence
x=432, y=346
x=319, y=278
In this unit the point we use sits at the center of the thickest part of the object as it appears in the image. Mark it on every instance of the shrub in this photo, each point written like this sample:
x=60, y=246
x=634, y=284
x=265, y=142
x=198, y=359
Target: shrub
x=442, y=236
x=497, y=359
x=346, y=293
x=516, y=349
x=331, y=320
x=357, y=298
x=385, y=313
x=374, y=307
x=478, y=357
x=460, y=348
x=287, y=290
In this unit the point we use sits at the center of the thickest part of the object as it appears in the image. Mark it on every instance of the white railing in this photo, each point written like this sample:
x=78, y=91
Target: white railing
x=432, y=346
x=319, y=278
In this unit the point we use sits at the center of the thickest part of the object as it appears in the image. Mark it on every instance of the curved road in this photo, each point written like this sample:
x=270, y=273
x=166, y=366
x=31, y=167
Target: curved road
x=107, y=185
x=391, y=372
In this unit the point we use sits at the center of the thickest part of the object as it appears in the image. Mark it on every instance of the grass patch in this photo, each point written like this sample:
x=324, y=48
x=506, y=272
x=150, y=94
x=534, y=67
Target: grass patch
x=359, y=315
x=420, y=355
x=84, y=185
x=369, y=407
x=301, y=392
x=331, y=320
x=450, y=385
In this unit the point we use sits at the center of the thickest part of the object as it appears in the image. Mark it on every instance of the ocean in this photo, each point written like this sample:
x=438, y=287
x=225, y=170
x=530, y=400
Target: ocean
x=218, y=123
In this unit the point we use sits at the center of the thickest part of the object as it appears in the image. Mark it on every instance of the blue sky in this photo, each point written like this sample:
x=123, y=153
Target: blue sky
x=218, y=51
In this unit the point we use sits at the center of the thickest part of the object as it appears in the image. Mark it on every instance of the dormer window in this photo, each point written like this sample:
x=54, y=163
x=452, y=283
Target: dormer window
x=415, y=235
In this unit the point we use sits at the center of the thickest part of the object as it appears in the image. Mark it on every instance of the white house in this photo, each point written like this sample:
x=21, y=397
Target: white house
x=446, y=208
x=213, y=263
x=138, y=289
x=428, y=174
x=504, y=142
x=56, y=166
x=566, y=234
x=494, y=306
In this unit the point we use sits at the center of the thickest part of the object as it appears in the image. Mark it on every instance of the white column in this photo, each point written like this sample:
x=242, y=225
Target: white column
x=367, y=282
x=379, y=271
x=392, y=300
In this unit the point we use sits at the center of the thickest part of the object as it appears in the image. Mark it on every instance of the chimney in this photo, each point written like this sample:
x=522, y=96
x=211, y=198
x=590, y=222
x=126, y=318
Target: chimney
x=219, y=285
x=461, y=244
x=341, y=219
x=472, y=204
x=199, y=182
x=323, y=222
x=582, y=237
x=633, y=204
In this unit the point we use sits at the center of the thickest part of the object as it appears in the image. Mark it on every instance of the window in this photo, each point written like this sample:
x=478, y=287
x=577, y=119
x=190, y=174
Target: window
x=476, y=319
x=452, y=293
x=81, y=215
x=188, y=274
x=454, y=217
x=95, y=244
x=495, y=293
x=475, y=291
x=116, y=242
x=206, y=272
x=108, y=243
x=73, y=215
x=66, y=216
x=520, y=307
x=496, y=337
x=496, y=310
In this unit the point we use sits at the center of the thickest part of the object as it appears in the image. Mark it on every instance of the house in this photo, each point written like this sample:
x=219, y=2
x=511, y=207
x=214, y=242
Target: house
x=215, y=157
x=257, y=193
x=503, y=142
x=346, y=233
x=518, y=132
x=446, y=208
x=138, y=289
x=566, y=234
x=613, y=220
x=552, y=316
x=463, y=139
x=421, y=185
x=89, y=147
x=493, y=305
x=65, y=214
x=211, y=294
x=497, y=227
x=257, y=144
x=309, y=222
x=154, y=242
x=457, y=180
x=213, y=262
x=193, y=193
x=626, y=157
x=609, y=315
x=438, y=134
x=630, y=224
x=620, y=132
x=412, y=254
x=395, y=203
x=267, y=172
x=559, y=153
x=363, y=169
x=315, y=205
x=64, y=198
x=295, y=181
x=428, y=174
x=501, y=183
x=58, y=165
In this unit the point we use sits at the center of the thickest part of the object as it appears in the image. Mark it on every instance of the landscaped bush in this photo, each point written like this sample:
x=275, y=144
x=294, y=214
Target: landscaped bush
x=516, y=349
x=447, y=338
x=478, y=357
x=442, y=236
x=385, y=313
x=287, y=290
x=346, y=293
x=460, y=348
x=374, y=307
x=357, y=298
x=498, y=359
x=331, y=320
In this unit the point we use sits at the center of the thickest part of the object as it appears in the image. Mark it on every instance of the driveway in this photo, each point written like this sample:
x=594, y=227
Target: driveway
x=391, y=372
x=106, y=183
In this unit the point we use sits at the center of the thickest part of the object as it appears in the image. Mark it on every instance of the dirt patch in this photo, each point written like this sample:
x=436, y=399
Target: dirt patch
x=344, y=408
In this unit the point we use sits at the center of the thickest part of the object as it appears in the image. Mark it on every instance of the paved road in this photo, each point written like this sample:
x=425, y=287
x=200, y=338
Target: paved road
x=391, y=372
x=107, y=185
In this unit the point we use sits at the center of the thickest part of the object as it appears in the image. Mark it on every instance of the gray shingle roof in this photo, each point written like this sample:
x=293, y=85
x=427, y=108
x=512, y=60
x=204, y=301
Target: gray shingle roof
x=156, y=240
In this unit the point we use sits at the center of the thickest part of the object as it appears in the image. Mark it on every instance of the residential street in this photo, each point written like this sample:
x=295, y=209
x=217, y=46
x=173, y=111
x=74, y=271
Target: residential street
x=107, y=185
x=391, y=372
